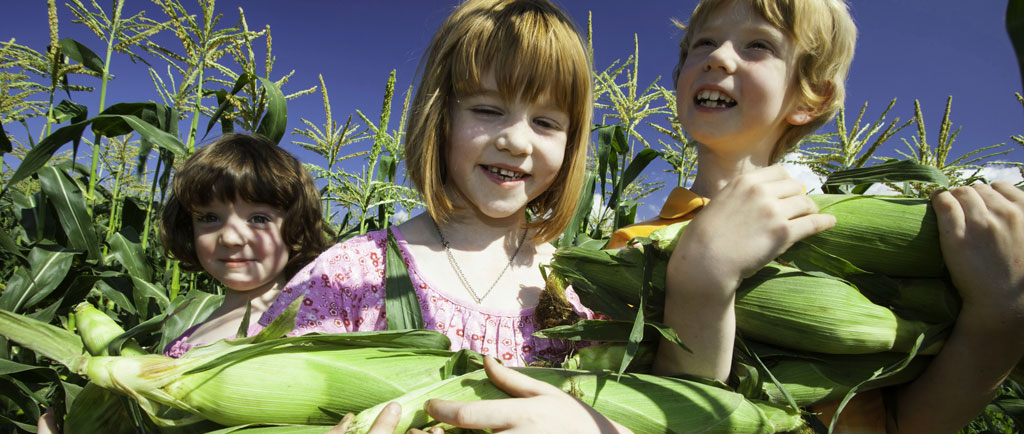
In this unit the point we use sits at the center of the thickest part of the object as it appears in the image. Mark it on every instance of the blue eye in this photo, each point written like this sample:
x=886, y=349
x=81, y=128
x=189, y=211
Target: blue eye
x=259, y=219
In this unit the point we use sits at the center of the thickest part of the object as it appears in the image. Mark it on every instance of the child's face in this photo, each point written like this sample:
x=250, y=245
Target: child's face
x=240, y=243
x=503, y=154
x=734, y=90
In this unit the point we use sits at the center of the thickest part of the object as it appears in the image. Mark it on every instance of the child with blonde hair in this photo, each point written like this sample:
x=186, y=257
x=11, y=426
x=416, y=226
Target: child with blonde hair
x=496, y=145
x=753, y=78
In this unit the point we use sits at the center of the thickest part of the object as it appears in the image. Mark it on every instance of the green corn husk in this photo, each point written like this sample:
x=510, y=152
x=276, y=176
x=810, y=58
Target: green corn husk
x=96, y=409
x=821, y=378
x=294, y=381
x=894, y=236
x=312, y=379
x=786, y=307
x=643, y=403
x=778, y=305
x=98, y=330
x=898, y=237
x=932, y=300
x=617, y=272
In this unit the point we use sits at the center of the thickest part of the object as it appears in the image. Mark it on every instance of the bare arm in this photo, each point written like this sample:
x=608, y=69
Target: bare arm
x=982, y=235
x=747, y=224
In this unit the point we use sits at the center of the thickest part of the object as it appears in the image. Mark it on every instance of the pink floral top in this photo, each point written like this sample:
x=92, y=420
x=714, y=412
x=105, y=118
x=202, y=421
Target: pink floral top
x=344, y=290
x=180, y=345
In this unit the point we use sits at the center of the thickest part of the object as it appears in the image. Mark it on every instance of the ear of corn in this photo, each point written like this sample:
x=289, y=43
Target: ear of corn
x=894, y=236
x=98, y=330
x=786, y=307
x=812, y=380
x=643, y=403
x=320, y=384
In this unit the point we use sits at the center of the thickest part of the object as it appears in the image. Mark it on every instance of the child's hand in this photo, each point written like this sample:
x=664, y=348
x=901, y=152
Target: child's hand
x=385, y=422
x=750, y=222
x=981, y=230
x=535, y=407
x=747, y=224
x=47, y=423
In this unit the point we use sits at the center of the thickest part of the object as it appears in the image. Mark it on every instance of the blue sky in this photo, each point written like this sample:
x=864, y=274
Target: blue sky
x=907, y=49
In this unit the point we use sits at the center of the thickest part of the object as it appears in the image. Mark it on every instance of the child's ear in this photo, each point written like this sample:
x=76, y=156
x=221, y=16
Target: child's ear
x=801, y=115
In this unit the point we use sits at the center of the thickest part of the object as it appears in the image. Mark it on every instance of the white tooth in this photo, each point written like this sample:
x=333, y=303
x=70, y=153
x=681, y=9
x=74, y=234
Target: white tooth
x=704, y=94
x=715, y=95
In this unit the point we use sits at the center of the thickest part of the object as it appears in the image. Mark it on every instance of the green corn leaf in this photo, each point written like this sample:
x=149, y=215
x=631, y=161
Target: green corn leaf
x=275, y=120
x=69, y=110
x=144, y=290
x=401, y=303
x=1015, y=28
x=42, y=151
x=584, y=205
x=635, y=168
x=148, y=132
x=127, y=249
x=107, y=285
x=66, y=198
x=190, y=310
x=5, y=143
x=46, y=340
x=81, y=54
x=893, y=171
x=48, y=267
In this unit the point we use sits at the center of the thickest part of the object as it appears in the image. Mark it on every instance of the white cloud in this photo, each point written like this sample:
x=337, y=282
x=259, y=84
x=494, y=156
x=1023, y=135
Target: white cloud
x=802, y=174
x=400, y=216
x=1001, y=173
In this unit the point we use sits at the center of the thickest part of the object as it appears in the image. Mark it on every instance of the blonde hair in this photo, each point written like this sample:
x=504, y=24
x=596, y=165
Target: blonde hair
x=825, y=35
x=531, y=47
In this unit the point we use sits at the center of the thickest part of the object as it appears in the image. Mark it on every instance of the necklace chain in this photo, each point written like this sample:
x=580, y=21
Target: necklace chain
x=462, y=276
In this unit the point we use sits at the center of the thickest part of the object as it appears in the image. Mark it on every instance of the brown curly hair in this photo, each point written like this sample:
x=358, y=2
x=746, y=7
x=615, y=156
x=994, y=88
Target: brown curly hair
x=251, y=168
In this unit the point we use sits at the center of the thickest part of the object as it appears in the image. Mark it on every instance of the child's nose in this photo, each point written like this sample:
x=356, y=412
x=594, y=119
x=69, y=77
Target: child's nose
x=515, y=138
x=232, y=234
x=723, y=58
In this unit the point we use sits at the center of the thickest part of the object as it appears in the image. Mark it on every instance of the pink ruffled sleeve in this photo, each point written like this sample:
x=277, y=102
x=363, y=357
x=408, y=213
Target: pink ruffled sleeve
x=343, y=288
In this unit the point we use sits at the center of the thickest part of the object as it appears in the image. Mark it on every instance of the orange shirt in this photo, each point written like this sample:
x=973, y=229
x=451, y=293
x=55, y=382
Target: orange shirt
x=864, y=414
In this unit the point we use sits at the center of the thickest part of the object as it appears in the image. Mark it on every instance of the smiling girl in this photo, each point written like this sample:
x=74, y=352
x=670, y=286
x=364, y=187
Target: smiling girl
x=246, y=212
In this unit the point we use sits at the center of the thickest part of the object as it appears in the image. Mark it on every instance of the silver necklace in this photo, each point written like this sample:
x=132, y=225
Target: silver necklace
x=462, y=276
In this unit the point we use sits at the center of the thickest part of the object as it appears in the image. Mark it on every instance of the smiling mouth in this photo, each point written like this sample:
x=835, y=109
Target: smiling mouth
x=714, y=99
x=505, y=174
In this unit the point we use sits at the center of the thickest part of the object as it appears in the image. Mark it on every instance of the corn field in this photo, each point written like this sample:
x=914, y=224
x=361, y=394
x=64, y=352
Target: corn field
x=83, y=187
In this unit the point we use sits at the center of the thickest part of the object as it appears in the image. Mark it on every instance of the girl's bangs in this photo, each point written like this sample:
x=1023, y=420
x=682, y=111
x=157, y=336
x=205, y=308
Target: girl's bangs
x=530, y=54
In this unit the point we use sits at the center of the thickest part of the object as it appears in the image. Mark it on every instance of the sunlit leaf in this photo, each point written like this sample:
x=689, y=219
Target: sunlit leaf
x=67, y=199
x=48, y=267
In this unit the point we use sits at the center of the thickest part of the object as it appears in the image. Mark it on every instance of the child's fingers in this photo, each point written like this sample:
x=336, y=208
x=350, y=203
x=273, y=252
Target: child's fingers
x=999, y=205
x=494, y=414
x=949, y=213
x=810, y=224
x=342, y=427
x=1010, y=192
x=387, y=420
x=514, y=383
x=973, y=206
